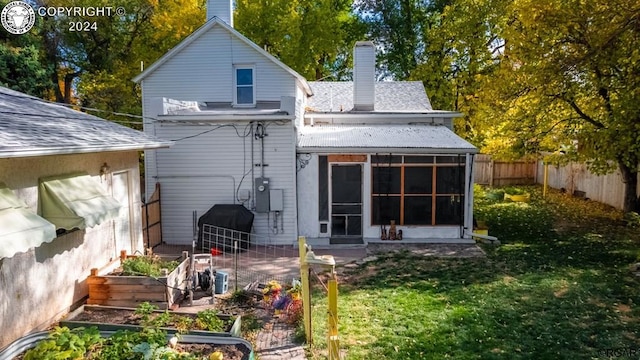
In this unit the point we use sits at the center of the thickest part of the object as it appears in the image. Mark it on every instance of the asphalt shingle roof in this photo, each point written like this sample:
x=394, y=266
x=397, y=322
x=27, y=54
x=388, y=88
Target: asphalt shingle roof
x=390, y=96
x=426, y=137
x=33, y=127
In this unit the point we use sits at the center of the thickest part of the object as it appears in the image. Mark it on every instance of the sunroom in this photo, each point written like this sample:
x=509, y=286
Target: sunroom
x=354, y=181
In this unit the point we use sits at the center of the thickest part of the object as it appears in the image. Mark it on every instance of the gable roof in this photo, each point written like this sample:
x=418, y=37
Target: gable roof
x=30, y=126
x=391, y=96
x=215, y=21
x=418, y=138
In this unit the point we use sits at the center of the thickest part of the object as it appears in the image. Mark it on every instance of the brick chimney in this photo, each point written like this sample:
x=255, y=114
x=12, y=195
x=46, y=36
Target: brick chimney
x=364, y=73
x=223, y=9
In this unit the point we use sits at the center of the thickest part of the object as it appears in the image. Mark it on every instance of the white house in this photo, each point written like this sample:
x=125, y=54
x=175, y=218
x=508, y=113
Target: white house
x=334, y=161
x=69, y=202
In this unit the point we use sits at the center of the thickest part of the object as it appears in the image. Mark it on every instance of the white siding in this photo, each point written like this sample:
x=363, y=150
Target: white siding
x=208, y=169
x=203, y=71
x=308, y=198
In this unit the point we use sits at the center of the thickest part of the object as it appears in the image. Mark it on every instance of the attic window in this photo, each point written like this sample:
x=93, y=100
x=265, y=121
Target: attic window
x=245, y=89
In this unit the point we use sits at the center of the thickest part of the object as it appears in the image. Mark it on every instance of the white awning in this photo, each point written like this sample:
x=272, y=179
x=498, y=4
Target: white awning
x=20, y=228
x=75, y=201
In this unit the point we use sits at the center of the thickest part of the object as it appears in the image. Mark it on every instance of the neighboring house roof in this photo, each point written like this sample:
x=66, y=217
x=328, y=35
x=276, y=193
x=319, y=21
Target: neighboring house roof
x=215, y=21
x=382, y=138
x=390, y=96
x=30, y=126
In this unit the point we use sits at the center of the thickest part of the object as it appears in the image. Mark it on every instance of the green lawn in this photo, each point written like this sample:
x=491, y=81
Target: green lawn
x=559, y=287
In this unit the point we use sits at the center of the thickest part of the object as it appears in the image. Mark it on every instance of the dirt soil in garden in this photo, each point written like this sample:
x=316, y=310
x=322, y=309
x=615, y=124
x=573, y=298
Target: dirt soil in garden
x=229, y=352
x=254, y=317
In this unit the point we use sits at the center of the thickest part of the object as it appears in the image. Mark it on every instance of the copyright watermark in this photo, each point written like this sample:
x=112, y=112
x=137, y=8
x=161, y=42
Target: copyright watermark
x=620, y=353
x=18, y=17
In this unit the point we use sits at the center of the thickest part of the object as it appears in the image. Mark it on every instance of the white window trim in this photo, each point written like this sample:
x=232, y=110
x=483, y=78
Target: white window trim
x=235, y=84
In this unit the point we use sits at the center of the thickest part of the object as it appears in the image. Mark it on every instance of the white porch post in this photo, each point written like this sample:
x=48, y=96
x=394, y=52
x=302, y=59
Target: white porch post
x=468, y=196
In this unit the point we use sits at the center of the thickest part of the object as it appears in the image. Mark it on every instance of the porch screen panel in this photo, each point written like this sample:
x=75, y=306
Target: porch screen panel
x=417, y=210
x=449, y=210
x=418, y=180
x=387, y=186
x=323, y=188
x=385, y=209
x=386, y=180
x=418, y=190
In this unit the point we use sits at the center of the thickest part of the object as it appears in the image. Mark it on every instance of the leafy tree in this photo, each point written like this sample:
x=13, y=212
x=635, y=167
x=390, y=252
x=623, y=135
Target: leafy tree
x=398, y=28
x=95, y=68
x=571, y=73
x=312, y=37
x=463, y=50
x=21, y=70
x=22, y=63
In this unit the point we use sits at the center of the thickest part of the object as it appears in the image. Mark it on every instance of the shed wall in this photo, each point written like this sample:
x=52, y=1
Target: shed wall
x=40, y=285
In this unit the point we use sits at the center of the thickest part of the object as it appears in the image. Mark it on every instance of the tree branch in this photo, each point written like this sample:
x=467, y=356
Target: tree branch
x=583, y=115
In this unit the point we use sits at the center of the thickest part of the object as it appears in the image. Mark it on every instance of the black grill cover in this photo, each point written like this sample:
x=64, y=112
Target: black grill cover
x=228, y=216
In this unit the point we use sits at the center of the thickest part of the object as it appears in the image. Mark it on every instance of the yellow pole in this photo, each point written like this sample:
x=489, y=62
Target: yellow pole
x=546, y=179
x=332, y=341
x=306, y=293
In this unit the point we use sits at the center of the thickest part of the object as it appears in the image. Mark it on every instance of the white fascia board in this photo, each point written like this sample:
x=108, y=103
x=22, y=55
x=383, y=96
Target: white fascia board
x=81, y=150
x=386, y=115
x=372, y=150
x=220, y=117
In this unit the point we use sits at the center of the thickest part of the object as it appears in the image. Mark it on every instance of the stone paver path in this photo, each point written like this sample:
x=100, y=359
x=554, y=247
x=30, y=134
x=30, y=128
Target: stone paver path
x=276, y=342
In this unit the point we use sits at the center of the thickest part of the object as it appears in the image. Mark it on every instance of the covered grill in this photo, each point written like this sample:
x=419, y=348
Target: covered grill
x=228, y=223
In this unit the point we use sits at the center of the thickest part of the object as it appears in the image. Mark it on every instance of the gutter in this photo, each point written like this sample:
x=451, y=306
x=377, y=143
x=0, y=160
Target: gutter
x=210, y=118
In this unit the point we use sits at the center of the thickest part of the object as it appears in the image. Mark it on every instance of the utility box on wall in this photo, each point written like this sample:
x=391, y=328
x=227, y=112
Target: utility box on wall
x=276, y=200
x=262, y=195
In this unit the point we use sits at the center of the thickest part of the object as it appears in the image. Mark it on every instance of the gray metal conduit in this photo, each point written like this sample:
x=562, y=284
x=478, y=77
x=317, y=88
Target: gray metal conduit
x=233, y=180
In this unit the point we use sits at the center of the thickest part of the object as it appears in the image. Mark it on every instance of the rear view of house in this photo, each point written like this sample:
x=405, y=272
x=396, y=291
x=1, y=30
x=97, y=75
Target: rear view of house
x=333, y=161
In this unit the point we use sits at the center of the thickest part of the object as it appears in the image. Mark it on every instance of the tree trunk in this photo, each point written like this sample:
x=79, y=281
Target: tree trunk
x=68, y=82
x=630, y=179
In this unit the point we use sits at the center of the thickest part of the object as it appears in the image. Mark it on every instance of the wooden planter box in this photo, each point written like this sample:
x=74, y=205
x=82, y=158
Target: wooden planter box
x=73, y=321
x=29, y=341
x=129, y=291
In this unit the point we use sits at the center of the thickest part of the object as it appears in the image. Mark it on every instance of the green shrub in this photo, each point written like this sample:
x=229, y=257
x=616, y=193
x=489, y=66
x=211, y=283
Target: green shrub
x=632, y=219
x=209, y=320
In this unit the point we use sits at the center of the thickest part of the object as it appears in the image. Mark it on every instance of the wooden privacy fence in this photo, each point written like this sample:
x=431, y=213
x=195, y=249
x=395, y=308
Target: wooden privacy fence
x=151, y=220
x=495, y=173
x=576, y=178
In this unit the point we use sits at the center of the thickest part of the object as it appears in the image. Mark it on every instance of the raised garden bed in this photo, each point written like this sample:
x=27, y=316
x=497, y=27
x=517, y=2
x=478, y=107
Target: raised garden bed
x=109, y=318
x=231, y=348
x=116, y=289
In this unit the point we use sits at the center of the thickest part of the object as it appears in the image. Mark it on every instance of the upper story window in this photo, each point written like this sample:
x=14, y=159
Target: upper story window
x=245, y=89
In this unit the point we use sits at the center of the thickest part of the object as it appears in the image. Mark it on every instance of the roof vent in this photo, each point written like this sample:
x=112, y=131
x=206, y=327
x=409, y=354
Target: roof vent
x=364, y=73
